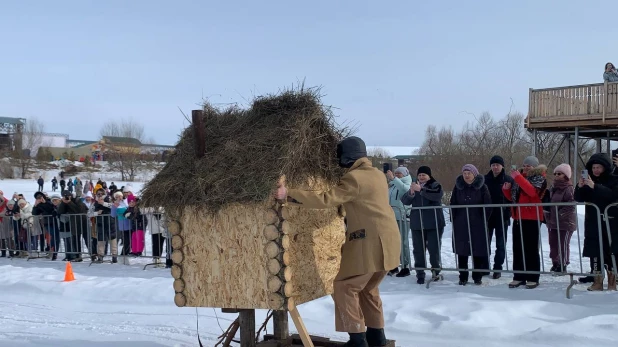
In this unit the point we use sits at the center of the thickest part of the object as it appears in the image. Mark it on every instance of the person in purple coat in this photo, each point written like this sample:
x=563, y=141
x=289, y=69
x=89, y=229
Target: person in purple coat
x=561, y=220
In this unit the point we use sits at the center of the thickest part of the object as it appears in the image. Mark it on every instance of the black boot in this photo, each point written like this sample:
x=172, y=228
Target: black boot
x=356, y=340
x=375, y=337
x=393, y=271
x=587, y=279
x=403, y=273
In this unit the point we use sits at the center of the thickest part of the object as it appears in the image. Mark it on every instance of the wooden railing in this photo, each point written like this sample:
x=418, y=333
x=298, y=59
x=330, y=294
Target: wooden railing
x=574, y=103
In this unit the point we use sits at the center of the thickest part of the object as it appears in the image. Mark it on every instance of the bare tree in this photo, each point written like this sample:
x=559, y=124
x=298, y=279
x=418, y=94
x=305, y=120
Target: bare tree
x=125, y=158
x=379, y=152
x=27, y=142
x=124, y=128
x=446, y=151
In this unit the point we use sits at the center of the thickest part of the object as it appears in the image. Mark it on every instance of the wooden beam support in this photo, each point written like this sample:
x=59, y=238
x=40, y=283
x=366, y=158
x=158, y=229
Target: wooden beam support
x=280, y=325
x=199, y=133
x=300, y=327
x=247, y=328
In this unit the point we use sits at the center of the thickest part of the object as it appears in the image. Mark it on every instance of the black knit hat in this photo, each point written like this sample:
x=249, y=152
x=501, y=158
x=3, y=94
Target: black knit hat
x=496, y=159
x=424, y=170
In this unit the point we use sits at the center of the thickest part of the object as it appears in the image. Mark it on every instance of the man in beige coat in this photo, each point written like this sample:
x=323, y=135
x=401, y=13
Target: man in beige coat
x=372, y=245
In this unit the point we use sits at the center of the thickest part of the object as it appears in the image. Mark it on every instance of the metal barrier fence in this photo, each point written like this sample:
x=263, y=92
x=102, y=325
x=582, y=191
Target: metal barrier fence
x=91, y=235
x=608, y=228
x=528, y=248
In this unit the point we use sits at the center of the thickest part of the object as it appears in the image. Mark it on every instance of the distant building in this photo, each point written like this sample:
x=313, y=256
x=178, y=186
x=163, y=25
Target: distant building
x=98, y=150
x=10, y=128
x=396, y=155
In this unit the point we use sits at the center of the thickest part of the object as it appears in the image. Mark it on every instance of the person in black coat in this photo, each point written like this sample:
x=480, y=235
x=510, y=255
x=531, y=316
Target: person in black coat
x=427, y=225
x=44, y=208
x=40, y=182
x=500, y=216
x=600, y=188
x=72, y=215
x=106, y=226
x=470, y=224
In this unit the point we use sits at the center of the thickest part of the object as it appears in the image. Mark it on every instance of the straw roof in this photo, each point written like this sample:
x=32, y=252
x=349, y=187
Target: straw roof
x=247, y=151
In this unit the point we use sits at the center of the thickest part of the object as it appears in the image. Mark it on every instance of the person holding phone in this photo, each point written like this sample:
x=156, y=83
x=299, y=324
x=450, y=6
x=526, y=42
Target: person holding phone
x=427, y=225
x=72, y=215
x=529, y=187
x=561, y=220
x=600, y=188
x=398, y=184
x=610, y=74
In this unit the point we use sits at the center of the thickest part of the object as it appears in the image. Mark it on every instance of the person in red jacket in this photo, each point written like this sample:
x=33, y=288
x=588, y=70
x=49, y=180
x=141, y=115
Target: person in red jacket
x=529, y=187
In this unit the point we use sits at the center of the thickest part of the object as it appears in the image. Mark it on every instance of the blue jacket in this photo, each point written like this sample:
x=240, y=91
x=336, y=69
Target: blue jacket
x=396, y=189
x=610, y=76
x=123, y=223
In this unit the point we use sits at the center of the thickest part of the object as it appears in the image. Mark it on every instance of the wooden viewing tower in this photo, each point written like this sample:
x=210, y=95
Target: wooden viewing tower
x=587, y=111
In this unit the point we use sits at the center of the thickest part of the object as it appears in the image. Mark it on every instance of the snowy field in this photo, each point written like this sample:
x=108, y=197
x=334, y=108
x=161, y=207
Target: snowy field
x=125, y=306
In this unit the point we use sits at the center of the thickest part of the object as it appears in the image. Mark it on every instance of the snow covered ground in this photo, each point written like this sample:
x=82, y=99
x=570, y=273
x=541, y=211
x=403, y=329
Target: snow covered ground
x=125, y=306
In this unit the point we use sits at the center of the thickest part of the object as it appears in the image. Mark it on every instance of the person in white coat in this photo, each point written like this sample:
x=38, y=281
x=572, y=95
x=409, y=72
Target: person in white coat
x=158, y=230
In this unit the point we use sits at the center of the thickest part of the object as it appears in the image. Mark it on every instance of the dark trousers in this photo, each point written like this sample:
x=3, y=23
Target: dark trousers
x=499, y=228
x=126, y=242
x=54, y=237
x=526, y=255
x=559, y=246
x=40, y=188
x=20, y=245
x=157, y=244
x=74, y=246
x=477, y=262
x=423, y=241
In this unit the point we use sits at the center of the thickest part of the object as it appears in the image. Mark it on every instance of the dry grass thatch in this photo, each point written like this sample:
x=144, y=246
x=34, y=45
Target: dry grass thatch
x=289, y=134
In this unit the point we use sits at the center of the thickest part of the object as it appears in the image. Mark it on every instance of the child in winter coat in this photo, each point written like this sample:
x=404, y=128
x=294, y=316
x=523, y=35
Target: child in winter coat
x=138, y=224
x=561, y=220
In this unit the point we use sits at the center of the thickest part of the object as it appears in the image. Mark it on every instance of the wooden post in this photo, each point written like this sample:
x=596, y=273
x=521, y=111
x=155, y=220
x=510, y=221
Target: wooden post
x=300, y=326
x=280, y=325
x=530, y=106
x=605, y=94
x=198, y=131
x=247, y=328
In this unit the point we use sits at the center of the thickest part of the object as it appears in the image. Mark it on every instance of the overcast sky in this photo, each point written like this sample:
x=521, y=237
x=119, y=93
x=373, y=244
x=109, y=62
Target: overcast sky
x=392, y=67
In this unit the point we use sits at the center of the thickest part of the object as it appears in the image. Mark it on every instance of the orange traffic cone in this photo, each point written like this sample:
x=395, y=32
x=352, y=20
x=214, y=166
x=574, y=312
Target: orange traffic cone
x=68, y=273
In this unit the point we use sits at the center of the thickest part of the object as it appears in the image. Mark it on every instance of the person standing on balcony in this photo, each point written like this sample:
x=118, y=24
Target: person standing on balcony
x=529, y=188
x=610, y=74
x=501, y=216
